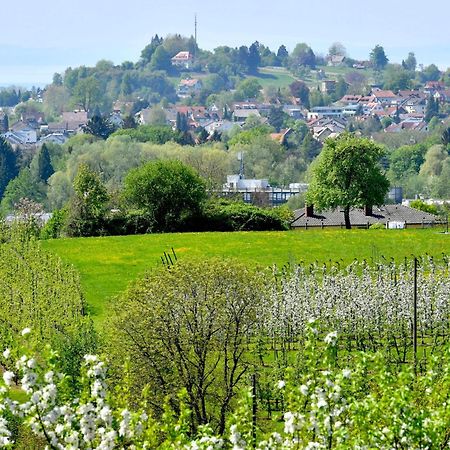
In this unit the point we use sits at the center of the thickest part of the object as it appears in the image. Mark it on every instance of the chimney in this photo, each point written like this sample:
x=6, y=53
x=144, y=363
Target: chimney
x=309, y=210
x=368, y=210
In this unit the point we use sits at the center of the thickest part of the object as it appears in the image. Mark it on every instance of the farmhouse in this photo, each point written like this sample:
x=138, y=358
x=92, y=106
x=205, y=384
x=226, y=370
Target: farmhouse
x=183, y=59
x=402, y=216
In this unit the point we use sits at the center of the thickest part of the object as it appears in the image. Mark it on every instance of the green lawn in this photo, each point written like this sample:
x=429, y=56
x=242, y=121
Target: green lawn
x=278, y=77
x=106, y=265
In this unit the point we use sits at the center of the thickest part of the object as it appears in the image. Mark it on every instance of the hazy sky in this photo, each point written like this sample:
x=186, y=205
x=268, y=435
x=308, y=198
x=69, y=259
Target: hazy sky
x=39, y=38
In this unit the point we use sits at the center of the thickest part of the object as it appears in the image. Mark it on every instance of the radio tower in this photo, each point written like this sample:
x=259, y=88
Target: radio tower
x=195, y=35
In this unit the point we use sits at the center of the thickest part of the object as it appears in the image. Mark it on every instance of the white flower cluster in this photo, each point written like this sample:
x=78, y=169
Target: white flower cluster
x=370, y=305
x=72, y=425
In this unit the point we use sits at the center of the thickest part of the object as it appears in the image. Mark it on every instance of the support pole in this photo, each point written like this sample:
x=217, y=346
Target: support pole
x=415, y=315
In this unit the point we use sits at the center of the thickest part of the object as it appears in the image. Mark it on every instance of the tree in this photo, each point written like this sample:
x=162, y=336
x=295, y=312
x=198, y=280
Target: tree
x=277, y=117
x=169, y=192
x=4, y=123
x=187, y=327
x=445, y=138
x=8, y=165
x=341, y=88
x=99, y=126
x=157, y=116
x=161, y=59
x=410, y=63
x=254, y=58
x=302, y=55
x=348, y=174
x=86, y=93
x=434, y=160
x=147, y=52
x=57, y=79
x=337, y=49
x=430, y=73
x=25, y=185
x=282, y=53
x=129, y=122
x=397, y=78
x=88, y=206
x=432, y=109
x=44, y=164
x=300, y=90
x=378, y=58
x=248, y=88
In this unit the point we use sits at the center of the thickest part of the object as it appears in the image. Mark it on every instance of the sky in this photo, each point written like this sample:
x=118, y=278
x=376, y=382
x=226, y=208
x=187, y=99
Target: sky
x=41, y=38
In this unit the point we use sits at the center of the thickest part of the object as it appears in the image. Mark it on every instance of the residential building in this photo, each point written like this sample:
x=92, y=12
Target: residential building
x=183, y=60
x=189, y=87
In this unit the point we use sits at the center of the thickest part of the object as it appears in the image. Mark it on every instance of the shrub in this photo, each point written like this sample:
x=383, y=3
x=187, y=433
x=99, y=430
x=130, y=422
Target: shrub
x=226, y=215
x=55, y=225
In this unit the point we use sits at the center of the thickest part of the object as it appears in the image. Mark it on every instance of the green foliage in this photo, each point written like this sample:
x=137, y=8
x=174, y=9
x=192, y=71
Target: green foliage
x=348, y=173
x=99, y=126
x=161, y=59
x=87, y=208
x=377, y=226
x=248, y=88
x=44, y=294
x=44, y=164
x=406, y=160
x=156, y=134
x=378, y=58
x=410, y=63
x=87, y=93
x=55, y=225
x=8, y=165
x=225, y=215
x=170, y=192
x=25, y=185
x=422, y=206
x=397, y=78
x=302, y=55
x=186, y=327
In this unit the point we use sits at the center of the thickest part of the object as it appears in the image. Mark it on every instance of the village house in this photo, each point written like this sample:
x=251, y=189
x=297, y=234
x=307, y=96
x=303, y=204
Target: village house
x=385, y=97
x=336, y=61
x=183, y=60
x=189, y=87
x=72, y=122
x=390, y=216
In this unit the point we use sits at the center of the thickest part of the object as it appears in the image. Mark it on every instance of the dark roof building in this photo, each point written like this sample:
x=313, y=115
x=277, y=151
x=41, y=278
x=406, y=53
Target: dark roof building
x=364, y=217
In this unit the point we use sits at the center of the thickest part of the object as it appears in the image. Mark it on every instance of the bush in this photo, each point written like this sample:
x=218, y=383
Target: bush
x=377, y=226
x=55, y=225
x=226, y=215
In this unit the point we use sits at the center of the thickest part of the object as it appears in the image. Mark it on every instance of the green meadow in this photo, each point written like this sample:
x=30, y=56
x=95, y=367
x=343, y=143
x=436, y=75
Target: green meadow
x=108, y=264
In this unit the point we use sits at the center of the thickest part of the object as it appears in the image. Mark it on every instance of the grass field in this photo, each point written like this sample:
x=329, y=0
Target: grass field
x=107, y=265
x=278, y=77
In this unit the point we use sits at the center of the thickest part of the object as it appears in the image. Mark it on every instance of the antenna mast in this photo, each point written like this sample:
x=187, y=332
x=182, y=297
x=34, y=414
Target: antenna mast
x=195, y=34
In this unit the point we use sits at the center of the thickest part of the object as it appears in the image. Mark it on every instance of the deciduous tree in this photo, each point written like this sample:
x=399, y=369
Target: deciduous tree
x=169, y=192
x=348, y=174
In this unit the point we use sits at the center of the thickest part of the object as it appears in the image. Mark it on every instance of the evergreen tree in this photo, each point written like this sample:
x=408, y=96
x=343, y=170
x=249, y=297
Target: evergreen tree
x=8, y=165
x=282, y=52
x=44, y=164
x=254, y=58
x=378, y=58
x=432, y=109
x=4, y=123
x=99, y=126
x=129, y=122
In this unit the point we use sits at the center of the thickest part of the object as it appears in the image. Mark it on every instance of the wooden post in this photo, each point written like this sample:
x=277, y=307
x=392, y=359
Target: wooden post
x=415, y=316
x=254, y=410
